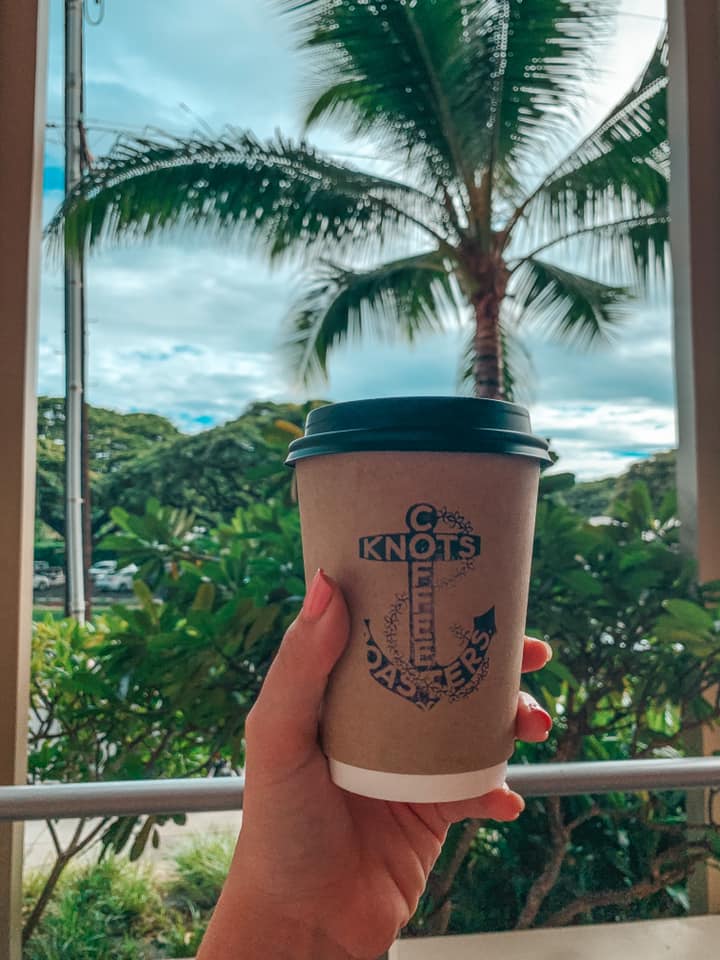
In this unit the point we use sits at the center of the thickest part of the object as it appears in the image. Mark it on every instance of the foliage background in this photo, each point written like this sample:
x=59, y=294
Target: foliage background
x=134, y=456
x=137, y=455
x=636, y=655
x=162, y=687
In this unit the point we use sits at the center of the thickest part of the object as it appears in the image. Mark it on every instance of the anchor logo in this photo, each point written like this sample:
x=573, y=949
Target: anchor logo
x=420, y=678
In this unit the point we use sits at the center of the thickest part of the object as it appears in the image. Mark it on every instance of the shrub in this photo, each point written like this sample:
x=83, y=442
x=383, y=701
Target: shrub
x=635, y=658
x=181, y=934
x=202, y=867
x=162, y=689
x=116, y=908
x=101, y=912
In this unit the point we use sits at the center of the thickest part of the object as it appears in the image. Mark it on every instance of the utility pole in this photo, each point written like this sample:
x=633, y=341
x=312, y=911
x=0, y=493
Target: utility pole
x=74, y=322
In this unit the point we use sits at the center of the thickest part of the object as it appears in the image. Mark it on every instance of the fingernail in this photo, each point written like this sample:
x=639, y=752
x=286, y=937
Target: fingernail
x=317, y=597
x=549, y=649
x=518, y=797
x=546, y=718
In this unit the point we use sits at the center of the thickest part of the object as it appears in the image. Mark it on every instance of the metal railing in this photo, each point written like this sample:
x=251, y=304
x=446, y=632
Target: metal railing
x=117, y=798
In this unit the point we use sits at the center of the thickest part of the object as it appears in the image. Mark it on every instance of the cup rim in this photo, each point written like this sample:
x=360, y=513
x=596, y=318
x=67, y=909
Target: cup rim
x=420, y=424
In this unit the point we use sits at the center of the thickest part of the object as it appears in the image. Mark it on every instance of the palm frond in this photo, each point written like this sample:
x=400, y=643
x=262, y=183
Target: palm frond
x=622, y=168
x=452, y=82
x=282, y=196
x=635, y=248
x=399, y=299
x=570, y=306
x=392, y=69
x=541, y=53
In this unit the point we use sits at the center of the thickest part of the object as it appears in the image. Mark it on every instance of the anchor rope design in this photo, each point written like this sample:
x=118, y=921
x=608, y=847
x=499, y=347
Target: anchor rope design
x=420, y=678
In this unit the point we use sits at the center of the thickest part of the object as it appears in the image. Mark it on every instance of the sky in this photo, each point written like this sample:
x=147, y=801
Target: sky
x=191, y=327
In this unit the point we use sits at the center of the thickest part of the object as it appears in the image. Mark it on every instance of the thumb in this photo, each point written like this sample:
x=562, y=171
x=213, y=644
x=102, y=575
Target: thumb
x=282, y=728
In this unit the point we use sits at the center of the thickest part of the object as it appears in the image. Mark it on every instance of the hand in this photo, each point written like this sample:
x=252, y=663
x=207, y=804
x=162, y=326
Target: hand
x=346, y=870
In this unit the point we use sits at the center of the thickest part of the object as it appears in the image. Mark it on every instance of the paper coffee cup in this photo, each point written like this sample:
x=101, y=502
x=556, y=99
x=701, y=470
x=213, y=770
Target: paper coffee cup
x=423, y=511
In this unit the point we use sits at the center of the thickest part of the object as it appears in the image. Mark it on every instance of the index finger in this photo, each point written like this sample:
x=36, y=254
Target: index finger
x=536, y=654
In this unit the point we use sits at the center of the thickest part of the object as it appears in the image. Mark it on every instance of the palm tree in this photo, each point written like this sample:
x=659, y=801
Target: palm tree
x=474, y=100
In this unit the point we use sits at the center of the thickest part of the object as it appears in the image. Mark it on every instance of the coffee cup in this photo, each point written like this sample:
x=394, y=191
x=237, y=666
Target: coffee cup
x=422, y=509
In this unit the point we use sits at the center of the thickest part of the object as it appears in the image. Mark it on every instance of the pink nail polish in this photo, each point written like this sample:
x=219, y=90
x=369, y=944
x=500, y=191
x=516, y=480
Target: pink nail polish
x=317, y=598
x=547, y=719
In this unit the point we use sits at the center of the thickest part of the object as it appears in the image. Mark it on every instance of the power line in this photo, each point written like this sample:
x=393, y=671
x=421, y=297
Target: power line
x=640, y=16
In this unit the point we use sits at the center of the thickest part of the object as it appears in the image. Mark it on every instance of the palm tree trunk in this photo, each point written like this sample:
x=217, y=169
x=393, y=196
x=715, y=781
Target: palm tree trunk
x=488, y=366
x=490, y=284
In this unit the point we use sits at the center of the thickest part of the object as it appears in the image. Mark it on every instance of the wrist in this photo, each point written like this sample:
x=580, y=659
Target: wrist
x=247, y=926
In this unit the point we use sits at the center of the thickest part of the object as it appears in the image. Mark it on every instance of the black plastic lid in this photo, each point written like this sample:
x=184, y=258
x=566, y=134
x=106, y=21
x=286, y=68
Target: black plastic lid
x=447, y=424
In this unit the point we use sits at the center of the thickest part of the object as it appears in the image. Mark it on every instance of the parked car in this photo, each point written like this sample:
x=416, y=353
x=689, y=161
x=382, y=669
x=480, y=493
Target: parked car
x=40, y=581
x=119, y=582
x=102, y=568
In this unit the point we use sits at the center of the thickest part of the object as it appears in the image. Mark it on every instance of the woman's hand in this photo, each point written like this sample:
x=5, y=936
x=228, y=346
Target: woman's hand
x=318, y=871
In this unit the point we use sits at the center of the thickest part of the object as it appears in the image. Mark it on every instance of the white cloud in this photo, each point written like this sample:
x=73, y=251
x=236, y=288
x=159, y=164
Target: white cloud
x=601, y=439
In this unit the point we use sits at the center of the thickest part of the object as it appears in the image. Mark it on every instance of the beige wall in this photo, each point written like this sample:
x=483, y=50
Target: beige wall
x=696, y=938
x=23, y=56
x=694, y=126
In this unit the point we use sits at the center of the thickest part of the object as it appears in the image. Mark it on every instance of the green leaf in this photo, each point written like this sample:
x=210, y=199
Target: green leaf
x=144, y=595
x=690, y=616
x=632, y=248
x=118, y=835
x=701, y=709
x=622, y=167
x=205, y=597
x=596, y=749
x=396, y=300
x=559, y=669
x=141, y=838
x=546, y=51
x=629, y=558
x=571, y=306
x=119, y=516
x=641, y=504
x=451, y=83
x=90, y=683
x=668, y=507
x=262, y=623
x=556, y=483
x=582, y=583
x=119, y=543
x=403, y=74
x=284, y=197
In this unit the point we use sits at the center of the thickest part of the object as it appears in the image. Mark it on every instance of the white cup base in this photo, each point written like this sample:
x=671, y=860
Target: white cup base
x=416, y=788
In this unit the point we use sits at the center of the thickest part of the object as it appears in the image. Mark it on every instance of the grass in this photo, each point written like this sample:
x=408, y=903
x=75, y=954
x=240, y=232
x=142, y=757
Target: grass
x=58, y=613
x=201, y=868
x=100, y=911
x=39, y=613
x=181, y=936
x=117, y=910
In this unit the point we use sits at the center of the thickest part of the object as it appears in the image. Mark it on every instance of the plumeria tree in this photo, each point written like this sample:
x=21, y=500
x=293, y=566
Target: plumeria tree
x=482, y=203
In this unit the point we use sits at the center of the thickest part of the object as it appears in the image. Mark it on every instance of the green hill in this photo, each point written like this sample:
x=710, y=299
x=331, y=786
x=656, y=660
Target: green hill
x=134, y=456
x=115, y=440
x=214, y=472
x=594, y=497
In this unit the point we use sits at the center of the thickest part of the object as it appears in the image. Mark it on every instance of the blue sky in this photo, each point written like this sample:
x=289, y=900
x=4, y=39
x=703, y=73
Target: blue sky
x=191, y=328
